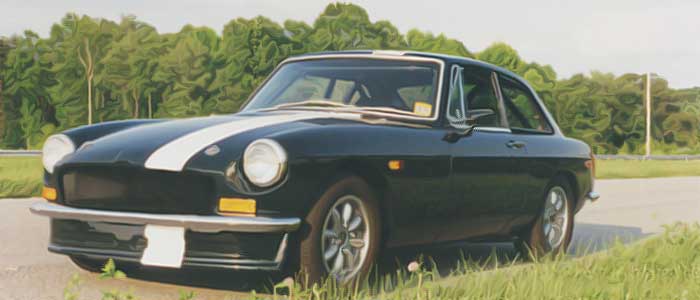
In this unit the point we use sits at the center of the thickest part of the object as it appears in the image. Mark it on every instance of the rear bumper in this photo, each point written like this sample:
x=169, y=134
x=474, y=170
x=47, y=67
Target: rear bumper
x=592, y=196
x=240, y=243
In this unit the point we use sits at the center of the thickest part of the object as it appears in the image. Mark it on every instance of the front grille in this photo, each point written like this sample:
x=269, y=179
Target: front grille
x=138, y=190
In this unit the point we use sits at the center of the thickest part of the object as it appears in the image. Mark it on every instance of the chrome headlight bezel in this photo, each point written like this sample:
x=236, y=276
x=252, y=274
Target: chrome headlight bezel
x=264, y=162
x=56, y=147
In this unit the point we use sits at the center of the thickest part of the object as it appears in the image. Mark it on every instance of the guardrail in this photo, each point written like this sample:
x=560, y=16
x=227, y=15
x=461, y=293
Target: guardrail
x=642, y=157
x=20, y=152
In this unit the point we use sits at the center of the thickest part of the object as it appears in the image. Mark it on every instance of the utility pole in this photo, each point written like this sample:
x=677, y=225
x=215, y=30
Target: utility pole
x=648, y=106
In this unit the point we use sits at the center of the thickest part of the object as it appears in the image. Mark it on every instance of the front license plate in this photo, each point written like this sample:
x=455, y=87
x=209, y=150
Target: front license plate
x=165, y=248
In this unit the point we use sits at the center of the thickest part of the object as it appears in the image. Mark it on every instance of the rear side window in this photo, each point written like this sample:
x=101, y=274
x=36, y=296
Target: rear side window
x=522, y=111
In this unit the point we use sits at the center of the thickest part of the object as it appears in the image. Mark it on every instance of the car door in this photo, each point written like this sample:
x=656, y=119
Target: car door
x=530, y=142
x=481, y=163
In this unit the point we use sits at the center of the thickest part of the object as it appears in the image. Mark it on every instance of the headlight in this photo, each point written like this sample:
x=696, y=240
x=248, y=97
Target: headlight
x=56, y=148
x=264, y=162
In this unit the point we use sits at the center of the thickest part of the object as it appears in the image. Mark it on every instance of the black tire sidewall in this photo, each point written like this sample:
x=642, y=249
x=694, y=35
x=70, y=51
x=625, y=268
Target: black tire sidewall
x=311, y=262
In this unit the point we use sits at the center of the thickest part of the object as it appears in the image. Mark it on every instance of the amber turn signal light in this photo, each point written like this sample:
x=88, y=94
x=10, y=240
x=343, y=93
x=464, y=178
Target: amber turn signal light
x=395, y=165
x=237, y=206
x=48, y=193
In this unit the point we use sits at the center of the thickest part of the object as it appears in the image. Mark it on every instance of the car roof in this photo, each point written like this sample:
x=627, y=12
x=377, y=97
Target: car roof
x=443, y=57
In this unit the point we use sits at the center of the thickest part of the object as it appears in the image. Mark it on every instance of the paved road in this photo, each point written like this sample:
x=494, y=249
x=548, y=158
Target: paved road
x=629, y=210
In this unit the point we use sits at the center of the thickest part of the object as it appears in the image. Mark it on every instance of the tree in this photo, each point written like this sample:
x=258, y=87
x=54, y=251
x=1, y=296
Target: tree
x=187, y=71
x=250, y=50
x=6, y=45
x=129, y=67
x=31, y=117
x=79, y=43
x=427, y=42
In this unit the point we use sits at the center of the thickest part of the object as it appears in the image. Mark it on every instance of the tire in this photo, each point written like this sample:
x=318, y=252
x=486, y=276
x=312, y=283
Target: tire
x=357, y=193
x=88, y=264
x=536, y=243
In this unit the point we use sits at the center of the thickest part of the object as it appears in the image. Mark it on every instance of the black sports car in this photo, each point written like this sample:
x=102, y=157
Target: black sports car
x=335, y=157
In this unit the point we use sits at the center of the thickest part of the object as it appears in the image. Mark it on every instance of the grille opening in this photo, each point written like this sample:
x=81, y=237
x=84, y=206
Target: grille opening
x=138, y=190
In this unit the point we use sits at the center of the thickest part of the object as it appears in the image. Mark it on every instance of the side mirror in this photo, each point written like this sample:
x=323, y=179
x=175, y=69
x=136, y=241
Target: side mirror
x=474, y=115
x=466, y=125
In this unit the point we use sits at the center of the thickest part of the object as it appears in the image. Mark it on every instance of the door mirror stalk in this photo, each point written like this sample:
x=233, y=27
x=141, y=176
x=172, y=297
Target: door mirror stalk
x=453, y=136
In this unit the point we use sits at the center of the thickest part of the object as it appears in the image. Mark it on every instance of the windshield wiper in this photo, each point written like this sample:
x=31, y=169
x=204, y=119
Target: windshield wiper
x=386, y=110
x=311, y=103
x=339, y=106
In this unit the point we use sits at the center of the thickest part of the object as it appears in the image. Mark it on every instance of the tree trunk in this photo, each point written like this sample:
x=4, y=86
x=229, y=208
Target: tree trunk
x=150, y=107
x=134, y=94
x=89, y=66
x=89, y=100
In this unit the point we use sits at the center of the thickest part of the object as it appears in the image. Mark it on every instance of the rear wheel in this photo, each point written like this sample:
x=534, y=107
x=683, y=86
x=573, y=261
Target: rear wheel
x=553, y=229
x=343, y=234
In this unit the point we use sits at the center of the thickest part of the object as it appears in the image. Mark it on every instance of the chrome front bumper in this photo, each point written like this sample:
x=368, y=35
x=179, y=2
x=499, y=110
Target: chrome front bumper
x=197, y=223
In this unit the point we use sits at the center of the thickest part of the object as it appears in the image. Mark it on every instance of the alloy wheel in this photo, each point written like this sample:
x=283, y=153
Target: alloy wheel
x=556, y=217
x=345, y=238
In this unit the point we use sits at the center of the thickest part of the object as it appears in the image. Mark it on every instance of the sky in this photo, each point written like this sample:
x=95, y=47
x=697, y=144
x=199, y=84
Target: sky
x=617, y=36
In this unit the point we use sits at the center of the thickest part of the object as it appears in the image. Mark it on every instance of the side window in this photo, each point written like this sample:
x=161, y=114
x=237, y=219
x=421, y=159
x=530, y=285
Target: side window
x=522, y=111
x=471, y=88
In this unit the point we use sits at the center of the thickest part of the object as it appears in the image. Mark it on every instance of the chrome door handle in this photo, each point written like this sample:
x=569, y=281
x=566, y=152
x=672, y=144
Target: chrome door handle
x=516, y=144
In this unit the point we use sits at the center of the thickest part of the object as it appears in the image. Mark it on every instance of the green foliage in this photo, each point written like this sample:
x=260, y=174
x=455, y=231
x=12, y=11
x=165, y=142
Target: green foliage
x=93, y=70
x=110, y=271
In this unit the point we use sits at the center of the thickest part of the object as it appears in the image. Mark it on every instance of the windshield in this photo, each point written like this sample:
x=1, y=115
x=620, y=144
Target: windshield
x=404, y=87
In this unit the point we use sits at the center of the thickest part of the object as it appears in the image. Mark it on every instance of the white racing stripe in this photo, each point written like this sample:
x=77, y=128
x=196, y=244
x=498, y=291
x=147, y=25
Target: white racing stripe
x=174, y=155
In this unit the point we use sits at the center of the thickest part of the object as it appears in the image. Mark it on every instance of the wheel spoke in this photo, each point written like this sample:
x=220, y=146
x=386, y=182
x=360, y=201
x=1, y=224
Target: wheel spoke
x=559, y=220
x=357, y=243
x=347, y=214
x=548, y=212
x=558, y=205
x=337, y=221
x=330, y=252
x=355, y=223
x=556, y=233
x=338, y=264
x=349, y=258
x=330, y=234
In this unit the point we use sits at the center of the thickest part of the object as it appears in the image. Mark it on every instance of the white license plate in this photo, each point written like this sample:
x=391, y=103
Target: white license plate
x=165, y=248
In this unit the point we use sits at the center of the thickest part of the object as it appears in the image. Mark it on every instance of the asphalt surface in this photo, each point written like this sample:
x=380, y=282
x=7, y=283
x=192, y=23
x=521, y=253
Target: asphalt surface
x=628, y=210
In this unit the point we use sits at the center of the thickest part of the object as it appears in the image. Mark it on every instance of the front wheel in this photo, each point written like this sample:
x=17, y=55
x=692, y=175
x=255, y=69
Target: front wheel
x=343, y=234
x=553, y=229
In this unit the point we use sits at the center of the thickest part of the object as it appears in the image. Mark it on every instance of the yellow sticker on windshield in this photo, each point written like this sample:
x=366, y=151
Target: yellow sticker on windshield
x=422, y=109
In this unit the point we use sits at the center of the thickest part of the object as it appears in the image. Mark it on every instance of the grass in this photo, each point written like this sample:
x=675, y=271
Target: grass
x=20, y=176
x=609, y=169
x=665, y=266
x=661, y=267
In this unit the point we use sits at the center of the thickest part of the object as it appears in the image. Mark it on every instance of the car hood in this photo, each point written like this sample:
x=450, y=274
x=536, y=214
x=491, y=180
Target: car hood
x=169, y=145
